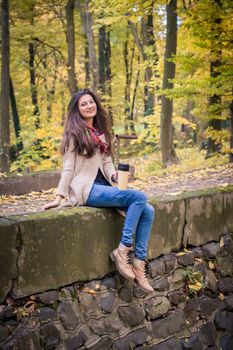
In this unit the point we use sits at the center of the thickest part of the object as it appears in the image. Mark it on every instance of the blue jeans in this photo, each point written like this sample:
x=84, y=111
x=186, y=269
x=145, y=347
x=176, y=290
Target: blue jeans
x=139, y=217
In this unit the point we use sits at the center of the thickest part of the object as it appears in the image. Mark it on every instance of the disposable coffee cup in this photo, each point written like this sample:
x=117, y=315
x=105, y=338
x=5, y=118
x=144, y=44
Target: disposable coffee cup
x=123, y=174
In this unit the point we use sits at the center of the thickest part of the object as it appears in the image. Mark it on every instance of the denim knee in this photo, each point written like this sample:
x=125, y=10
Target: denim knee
x=150, y=211
x=141, y=197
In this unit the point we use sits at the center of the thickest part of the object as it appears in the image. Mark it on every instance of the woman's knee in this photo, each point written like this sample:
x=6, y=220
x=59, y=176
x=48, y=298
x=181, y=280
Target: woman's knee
x=150, y=210
x=141, y=196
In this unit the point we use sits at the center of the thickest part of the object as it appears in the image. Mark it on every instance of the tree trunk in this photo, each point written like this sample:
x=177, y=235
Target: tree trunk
x=149, y=42
x=231, y=135
x=102, y=59
x=81, y=7
x=5, y=89
x=131, y=116
x=91, y=47
x=105, y=68
x=215, y=100
x=109, y=75
x=127, y=84
x=15, y=117
x=34, y=97
x=166, y=129
x=70, y=39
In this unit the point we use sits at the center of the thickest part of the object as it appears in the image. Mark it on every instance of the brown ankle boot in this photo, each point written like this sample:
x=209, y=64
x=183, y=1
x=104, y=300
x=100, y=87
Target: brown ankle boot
x=139, y=270
x=122, y=260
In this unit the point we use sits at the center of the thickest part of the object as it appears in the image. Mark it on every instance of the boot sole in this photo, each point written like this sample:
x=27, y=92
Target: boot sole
x=145, y=290
x=112, y=257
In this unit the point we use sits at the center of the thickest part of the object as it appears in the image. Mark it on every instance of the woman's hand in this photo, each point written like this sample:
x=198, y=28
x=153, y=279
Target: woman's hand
x=53, y=204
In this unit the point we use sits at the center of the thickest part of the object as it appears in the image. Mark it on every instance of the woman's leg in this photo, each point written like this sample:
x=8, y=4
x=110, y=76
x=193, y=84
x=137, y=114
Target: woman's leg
x=141, y=242
x=143, y=232
x=135, y=202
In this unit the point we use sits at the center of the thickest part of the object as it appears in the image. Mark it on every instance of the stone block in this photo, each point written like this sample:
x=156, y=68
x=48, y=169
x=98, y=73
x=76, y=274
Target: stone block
x=67, y=315
x=205, y=217
x=226, y=342
x=176, y=280
x=167, y=230
x=227, y=211
x=211, y=249
x=49, y=336
x=24, y=339
x=160, y=284
x=131, y=340
x=193, y=343
x=104, y=325
x=211, y=282
x=229, y=301
x=226, y=285
x=207, y=305
x=47, y=314
x=89, y=305
x=157, y=307
x=58, y=243
x=8, y=255
x=185, y=259
x=170, y=325
x=208, y=334
x=156, y=267
x=170, y=344
x=125, y=294
x=224, y=320
x=48, y=298
x=170, y=262
x=76, y=342
x=191, y=311
x=177, y=297
x=104, y=342
x=17, y=185
x=108, y=302
x=131, y=315
x=224, y=260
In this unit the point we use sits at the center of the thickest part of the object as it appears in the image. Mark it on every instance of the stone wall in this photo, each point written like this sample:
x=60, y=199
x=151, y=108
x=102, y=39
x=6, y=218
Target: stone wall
x=191, y=308
x=46, y=250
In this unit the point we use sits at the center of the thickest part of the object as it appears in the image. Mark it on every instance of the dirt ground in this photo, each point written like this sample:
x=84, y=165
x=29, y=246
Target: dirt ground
x=173, y=184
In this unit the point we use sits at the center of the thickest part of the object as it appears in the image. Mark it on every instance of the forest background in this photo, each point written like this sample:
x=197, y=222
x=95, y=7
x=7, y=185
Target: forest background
x=163, y=69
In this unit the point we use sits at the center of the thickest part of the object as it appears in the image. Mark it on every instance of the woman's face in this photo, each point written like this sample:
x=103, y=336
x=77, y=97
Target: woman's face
x=87, y=106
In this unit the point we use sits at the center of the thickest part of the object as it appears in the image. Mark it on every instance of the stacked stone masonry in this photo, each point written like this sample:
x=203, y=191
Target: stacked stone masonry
x=112, y=313
x=59, y=290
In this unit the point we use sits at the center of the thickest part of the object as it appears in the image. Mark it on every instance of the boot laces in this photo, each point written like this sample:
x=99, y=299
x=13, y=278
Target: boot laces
x=129, y=258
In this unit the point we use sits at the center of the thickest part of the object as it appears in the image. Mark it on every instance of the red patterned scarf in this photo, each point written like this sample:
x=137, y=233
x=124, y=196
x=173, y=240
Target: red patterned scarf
x=94, y=134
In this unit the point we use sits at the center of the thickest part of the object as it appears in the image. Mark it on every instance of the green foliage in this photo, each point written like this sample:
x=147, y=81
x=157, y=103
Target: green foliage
x=202, y=27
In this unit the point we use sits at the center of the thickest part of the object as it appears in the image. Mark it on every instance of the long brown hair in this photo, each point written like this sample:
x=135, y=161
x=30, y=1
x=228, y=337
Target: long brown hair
x=76, y=127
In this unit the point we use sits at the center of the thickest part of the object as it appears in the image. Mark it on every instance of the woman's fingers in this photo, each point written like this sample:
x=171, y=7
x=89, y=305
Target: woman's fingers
x=50, y=205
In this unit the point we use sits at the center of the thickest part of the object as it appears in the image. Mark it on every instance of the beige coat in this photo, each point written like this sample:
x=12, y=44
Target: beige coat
x=79, y=173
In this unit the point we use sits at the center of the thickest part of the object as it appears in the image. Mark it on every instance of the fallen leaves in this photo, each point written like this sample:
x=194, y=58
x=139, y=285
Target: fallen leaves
x=26, y=310
x=167, y=182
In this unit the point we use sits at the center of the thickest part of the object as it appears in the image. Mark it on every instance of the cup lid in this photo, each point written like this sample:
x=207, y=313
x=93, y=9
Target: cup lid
x=123, y=167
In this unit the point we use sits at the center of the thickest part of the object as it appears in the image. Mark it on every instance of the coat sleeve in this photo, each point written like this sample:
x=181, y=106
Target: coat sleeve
x=108, y=167
x=67, y=171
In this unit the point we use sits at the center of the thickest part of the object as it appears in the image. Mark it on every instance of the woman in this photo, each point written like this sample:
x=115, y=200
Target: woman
x=88, y=178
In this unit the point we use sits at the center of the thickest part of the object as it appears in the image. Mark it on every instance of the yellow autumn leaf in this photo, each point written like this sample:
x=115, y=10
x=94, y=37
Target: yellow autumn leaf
x=221, y=296
x=211, y=265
